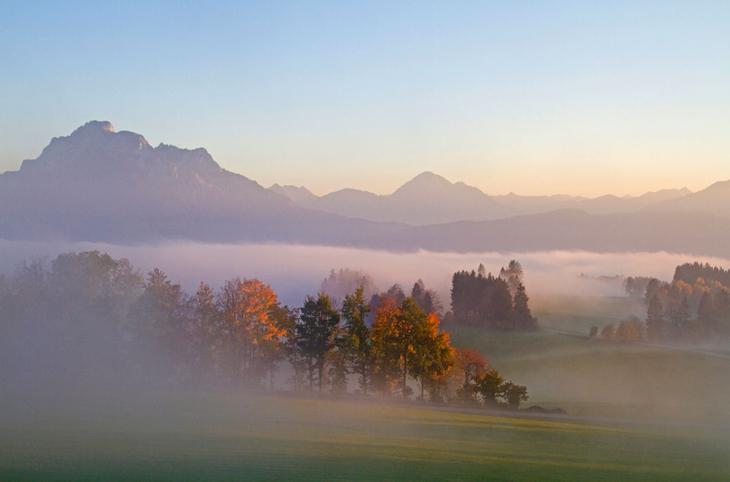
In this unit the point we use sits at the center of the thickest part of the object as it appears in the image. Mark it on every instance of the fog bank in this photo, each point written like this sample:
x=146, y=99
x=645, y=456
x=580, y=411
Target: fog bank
x=295, y=270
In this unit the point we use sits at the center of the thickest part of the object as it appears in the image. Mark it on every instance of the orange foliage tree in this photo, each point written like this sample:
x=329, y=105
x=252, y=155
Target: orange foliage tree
x=252, y=335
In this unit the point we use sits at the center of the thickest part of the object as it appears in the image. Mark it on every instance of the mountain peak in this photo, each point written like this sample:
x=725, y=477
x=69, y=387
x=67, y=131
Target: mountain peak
x=719, y=186
x=94, y=127
x=430, y=178
x=426, y=180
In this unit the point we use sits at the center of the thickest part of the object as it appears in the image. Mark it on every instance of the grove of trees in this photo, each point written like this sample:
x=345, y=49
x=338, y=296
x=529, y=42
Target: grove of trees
x=694, y=306
x=501, y=302
x=89, y=319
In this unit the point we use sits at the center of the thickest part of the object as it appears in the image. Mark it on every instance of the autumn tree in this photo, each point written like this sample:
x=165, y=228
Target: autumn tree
x=251, y=332
x=431, y=354
x=608, y=332
x=629, y=330
x=385, y=350
x=470, y=365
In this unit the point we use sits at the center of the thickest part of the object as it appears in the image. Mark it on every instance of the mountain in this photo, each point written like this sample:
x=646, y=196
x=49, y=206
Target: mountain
x=607, y=204
x=297, y=194
x=426, y=199
x=431, y=199
x=693, y=234
x=99, y=184
x=714, y=199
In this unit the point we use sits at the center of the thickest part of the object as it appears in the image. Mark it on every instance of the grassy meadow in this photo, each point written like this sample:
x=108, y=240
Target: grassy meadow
x=236, y=437
x=636, y=412
x=562, y=367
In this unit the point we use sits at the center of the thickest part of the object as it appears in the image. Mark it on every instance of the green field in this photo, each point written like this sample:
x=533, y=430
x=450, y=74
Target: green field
x=562, y=367
x=637, y=412
x=236, y=437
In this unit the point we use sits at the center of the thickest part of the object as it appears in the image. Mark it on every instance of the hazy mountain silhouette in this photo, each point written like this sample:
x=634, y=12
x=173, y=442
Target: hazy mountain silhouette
x=431, y=199
x=100, y=185
x=701, y=234
x=714, y=199
x=426, y=199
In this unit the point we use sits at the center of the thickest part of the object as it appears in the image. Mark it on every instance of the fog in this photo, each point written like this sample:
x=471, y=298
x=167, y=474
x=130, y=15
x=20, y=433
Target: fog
x=295, y=271
x=574, y=373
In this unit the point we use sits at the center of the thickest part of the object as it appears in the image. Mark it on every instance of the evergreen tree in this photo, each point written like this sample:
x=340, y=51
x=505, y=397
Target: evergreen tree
x=655, y=319
x=523, y=316
x=318, y=320
x=358, y=340
x=706, y=314
x=680, y=318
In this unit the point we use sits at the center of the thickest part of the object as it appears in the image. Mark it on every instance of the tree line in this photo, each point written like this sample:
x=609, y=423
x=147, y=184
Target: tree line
x=694, y=306
x=500, y=302
x=87, y=318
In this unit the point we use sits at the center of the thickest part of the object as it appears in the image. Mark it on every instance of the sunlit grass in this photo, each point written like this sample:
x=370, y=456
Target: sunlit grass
x=229, y=437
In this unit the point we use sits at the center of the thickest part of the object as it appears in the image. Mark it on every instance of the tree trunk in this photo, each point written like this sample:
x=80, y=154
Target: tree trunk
x=405, y=373
x=320, y=367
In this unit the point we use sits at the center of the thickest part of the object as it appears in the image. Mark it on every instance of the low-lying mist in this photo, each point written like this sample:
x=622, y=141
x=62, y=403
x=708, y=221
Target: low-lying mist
x=295, y=270
x=571, y=372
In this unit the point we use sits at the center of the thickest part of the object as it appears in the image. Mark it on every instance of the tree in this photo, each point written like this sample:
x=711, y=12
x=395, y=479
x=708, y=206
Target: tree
x=283, y=321
x=489, y=301
x=250, y=331
x=655, y=319
x=522, y=314
x=426, y=299
x=680, y=318
x=608, y=331
x=406, y=328
x=707, y=314
x=337, y=360
x=157, y=311
x=629, y=330
x=342, y=282
x=358, y=342
x=432, y=355
x=514, y=394
x=470, y=364
x=205, y=329
x=489, y=386
x=318, y=321
x=385, y=351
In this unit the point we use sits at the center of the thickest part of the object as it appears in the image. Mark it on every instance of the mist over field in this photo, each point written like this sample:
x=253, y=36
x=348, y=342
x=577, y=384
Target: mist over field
x=295, y=271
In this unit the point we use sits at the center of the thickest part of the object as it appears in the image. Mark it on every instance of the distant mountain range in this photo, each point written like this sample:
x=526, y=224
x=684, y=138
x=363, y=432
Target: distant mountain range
x=101, y=185
x=431, y=199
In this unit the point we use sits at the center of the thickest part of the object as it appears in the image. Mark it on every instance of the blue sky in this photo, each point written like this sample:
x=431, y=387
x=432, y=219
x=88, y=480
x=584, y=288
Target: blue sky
x=531, y=97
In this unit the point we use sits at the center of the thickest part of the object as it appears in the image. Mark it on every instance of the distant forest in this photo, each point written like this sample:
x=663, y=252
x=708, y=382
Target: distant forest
x=89, y=320
x=694, y=306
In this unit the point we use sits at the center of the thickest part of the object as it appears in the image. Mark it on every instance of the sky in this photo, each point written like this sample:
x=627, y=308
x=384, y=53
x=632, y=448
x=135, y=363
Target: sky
x=581, y=98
